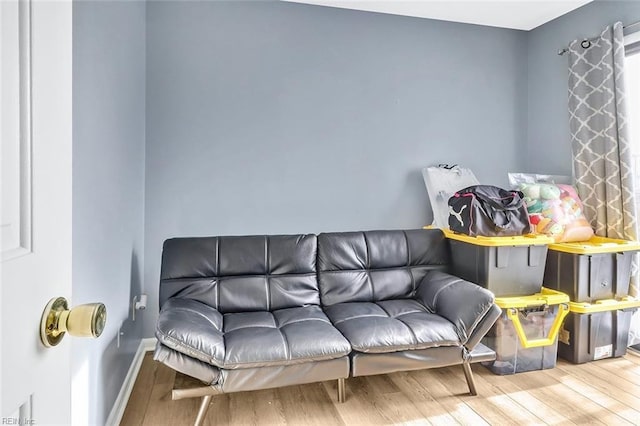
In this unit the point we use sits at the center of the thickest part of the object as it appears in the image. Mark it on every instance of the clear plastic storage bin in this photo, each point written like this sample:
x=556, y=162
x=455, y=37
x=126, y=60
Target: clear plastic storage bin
x=525, y=337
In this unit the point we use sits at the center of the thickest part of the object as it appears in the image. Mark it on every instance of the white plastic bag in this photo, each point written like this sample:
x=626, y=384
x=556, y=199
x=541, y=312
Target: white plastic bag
x=442, y=182
x=516, y=179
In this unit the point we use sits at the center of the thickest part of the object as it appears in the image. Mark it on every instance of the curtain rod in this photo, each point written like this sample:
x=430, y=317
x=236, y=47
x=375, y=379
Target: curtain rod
x=587, y=41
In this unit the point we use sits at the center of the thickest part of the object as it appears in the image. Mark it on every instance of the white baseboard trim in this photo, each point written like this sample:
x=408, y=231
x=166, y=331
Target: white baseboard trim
x=115, y=416
x=148, y=344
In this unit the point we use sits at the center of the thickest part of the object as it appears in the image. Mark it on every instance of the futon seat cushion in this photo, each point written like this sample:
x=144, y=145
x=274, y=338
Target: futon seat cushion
x=249, y=339
x=391, y=326
x=285, y=336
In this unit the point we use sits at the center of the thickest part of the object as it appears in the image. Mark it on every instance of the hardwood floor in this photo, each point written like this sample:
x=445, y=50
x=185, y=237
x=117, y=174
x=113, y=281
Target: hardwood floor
x=602, y=392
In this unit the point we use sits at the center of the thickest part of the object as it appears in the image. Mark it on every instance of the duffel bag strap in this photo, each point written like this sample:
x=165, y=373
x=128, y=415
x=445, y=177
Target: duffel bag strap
x=515, y=201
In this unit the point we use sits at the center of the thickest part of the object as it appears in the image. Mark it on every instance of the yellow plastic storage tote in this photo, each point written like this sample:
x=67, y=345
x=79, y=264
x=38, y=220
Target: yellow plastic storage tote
x=596, y=330
x=507, y=266
x=593, y=270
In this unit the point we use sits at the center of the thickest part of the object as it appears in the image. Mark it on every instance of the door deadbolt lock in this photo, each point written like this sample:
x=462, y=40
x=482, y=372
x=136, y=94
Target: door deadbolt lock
x=82, y=321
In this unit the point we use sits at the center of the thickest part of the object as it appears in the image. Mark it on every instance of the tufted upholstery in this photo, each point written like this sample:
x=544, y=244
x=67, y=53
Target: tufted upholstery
x=192, y=328
x=391, y=325
x=255, y=339
x=377, y=265
x=241, y=274
x=382, y=290
x=464, y=305
x=249, y=339
x=254, y=312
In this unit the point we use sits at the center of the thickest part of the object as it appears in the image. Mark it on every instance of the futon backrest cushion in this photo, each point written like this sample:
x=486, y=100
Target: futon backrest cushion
x=240, y=274
x=377, y=265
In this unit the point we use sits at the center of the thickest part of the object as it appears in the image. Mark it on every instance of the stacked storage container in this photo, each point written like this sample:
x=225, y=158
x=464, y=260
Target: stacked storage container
x=507, y=266
x=525, y=336
x=595, y=274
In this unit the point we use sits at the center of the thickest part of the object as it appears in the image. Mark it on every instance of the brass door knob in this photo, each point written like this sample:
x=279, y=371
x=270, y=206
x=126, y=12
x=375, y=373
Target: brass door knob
x=82, y=321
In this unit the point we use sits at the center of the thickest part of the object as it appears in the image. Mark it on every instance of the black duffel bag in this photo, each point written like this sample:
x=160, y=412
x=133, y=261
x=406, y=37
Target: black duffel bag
x=488, y=211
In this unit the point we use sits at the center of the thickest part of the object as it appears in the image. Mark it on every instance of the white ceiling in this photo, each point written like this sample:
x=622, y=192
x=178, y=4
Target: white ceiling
x=515, y=14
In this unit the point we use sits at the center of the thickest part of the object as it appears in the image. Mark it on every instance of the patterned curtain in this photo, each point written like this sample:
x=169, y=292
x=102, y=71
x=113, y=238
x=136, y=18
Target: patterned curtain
x=599, y=137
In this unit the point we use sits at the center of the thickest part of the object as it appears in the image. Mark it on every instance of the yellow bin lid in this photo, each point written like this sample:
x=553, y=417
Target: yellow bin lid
x=545, y=297
x=604, y=305
x=524, y=240
x=597, y=245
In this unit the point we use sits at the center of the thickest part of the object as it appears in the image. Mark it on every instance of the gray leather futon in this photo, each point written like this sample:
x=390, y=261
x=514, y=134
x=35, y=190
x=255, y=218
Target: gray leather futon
x=255, y=312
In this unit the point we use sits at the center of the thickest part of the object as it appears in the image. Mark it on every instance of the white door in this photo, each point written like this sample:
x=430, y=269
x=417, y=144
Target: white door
x=35, y=123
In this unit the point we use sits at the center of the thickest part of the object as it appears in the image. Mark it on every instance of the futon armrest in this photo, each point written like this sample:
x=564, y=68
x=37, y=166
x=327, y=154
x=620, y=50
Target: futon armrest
x=192, y=328
x=463, y=303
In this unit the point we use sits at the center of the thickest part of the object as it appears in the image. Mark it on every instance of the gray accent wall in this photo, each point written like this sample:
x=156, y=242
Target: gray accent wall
x=273, y=117
x=108, y=193
x=548, y=136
